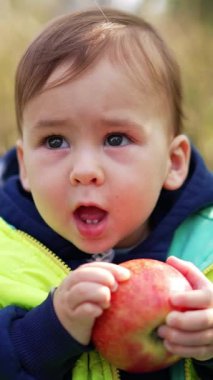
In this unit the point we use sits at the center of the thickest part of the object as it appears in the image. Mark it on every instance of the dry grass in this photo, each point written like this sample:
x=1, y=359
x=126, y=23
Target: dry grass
x=191, y=42
x=16, y=30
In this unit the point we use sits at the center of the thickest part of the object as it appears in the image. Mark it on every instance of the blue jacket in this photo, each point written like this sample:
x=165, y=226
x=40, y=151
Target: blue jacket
x=33, y=343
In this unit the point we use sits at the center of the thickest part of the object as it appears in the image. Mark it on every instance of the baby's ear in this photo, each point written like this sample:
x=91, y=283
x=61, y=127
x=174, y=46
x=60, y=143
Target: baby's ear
x=22, y=167
x=179, y=162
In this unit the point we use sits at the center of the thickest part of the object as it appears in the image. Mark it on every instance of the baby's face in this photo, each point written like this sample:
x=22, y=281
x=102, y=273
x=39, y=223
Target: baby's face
x=95, y=155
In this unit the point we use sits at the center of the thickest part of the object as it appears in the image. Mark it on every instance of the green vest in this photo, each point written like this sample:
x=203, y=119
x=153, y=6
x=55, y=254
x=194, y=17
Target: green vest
x=28, y=271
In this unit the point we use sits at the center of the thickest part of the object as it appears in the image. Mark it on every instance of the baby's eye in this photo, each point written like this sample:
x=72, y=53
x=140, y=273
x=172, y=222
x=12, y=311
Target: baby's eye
x=56, y=142
x=117, y=139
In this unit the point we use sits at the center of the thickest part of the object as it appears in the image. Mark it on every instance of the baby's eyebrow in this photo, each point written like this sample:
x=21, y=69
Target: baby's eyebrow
x=42, y=123
x=105, y=122
x=120, y=122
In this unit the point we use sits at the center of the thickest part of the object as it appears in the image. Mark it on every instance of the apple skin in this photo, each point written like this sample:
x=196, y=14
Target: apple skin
x=125, y=334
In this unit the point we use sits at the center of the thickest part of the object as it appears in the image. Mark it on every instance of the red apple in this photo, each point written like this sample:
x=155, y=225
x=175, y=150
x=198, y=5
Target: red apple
x=125, y=334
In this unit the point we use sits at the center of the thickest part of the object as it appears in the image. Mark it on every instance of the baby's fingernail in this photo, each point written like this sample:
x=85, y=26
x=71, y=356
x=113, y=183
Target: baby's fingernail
x=124, y=273
x=171, y=318
x=161, y=331
x=167, y=345
x=115, y=287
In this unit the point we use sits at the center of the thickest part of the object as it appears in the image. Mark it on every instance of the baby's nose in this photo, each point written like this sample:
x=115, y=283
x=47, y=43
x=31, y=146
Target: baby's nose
x=86, y=173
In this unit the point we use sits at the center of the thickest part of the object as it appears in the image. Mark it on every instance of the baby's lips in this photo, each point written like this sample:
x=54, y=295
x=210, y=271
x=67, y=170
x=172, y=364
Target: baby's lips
x=90, y=213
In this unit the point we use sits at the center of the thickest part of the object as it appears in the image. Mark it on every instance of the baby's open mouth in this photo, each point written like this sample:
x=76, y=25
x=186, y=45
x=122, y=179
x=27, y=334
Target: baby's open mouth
x=90, y=215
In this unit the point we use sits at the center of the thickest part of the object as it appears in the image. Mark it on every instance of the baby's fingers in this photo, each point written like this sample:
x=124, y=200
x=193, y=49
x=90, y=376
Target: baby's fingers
x=101, y=273
x=92, y=274
x=195, y=277
x=88, y=292
x=185, y=338
x=120, y=273
x=197, y=345
x=191, y=320
x=197, y=352
x=195, y=299
x=81, y=321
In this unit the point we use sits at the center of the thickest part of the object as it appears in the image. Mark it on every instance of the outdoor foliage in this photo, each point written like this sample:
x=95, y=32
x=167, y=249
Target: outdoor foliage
x=186, y=25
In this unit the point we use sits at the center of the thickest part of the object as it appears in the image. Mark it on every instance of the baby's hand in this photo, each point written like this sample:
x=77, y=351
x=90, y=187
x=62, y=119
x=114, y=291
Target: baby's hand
x=83, y=296
x=190, y=333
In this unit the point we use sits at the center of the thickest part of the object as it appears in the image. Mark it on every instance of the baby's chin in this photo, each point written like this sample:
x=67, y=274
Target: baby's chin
x=95, y=250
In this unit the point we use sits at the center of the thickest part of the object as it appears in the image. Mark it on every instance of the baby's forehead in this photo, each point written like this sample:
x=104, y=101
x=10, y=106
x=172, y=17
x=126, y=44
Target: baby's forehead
x=134, y=75
x=139, y=61
x=112, y=80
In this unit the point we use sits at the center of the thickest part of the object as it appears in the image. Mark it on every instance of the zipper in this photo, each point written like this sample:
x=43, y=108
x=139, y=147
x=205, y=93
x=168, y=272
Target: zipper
x=59, y=262
x=188, y=366
x=108, y=370
x=51, y=255
x=116, y=374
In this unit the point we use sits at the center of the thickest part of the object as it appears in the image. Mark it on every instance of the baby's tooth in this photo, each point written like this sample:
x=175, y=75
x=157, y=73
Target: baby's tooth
x=90, y=221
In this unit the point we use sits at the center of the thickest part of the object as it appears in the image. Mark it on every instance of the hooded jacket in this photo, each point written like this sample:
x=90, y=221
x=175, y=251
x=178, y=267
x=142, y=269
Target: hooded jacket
x=35, y=344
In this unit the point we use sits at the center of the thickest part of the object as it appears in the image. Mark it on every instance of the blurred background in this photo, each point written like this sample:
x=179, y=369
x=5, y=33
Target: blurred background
x=186, y=25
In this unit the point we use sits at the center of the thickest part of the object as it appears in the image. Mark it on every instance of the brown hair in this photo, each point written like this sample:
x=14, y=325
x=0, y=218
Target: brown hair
x=83, y=37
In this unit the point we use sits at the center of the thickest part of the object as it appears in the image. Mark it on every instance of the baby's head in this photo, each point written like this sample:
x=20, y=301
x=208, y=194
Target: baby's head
x=98, y=101
x=80, y=39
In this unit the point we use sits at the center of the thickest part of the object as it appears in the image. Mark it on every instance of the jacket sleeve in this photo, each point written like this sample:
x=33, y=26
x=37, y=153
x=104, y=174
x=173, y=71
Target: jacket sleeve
x=35, y=344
